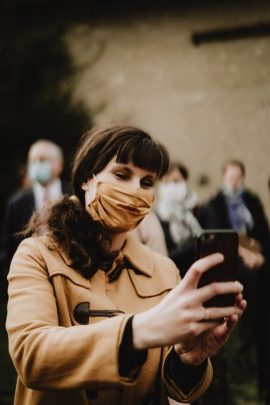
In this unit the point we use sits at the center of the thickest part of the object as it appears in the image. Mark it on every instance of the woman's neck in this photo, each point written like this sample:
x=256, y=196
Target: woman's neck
x=118, y=241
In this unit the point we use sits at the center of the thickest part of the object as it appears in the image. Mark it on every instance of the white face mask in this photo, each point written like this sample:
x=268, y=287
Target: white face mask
x=229, y=190
x=39, y=171
x=172, y=191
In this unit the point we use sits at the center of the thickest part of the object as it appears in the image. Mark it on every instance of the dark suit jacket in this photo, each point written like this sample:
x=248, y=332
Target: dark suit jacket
x=254, y=325
x=213, y=214
x=20, y=208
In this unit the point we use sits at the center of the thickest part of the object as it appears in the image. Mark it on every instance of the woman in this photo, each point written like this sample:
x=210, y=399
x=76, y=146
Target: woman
x=175, y=207
x=95, y=317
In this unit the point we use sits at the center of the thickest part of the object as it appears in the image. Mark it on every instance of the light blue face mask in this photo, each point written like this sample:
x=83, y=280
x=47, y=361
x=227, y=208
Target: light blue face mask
x=39, y=171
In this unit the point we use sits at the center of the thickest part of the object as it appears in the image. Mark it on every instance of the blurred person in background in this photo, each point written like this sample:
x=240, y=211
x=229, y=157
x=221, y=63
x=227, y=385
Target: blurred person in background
x=96, y=317
x=236, y=207
x=41, y=183
x=175, y=206
x=150, y=233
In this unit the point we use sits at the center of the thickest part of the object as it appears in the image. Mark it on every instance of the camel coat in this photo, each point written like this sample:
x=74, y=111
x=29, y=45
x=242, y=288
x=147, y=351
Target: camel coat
x=64, y=356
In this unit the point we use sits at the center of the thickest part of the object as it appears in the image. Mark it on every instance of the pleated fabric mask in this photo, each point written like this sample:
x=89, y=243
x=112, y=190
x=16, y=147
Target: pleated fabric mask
x=119, y=208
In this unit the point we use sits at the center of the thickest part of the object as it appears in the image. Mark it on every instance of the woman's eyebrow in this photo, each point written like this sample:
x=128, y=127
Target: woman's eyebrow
x=154, y=177
x=121, y=166
x=127, y=168
x=151, y=177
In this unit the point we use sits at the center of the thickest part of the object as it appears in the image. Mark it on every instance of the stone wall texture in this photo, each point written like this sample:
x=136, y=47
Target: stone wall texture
x=206, y=103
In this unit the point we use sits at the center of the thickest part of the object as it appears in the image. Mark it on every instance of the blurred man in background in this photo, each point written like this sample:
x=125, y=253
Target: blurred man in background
x=43, y=183
x=238, y=208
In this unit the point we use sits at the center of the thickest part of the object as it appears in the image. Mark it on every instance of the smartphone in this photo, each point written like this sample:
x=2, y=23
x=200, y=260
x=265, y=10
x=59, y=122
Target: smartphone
x=224, y=241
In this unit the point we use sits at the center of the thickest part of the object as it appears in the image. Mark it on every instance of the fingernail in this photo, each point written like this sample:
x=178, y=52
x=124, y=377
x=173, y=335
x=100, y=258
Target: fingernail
x=239, y=285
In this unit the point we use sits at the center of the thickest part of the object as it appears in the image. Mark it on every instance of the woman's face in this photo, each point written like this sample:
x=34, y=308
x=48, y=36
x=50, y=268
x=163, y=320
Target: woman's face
x=120, y=173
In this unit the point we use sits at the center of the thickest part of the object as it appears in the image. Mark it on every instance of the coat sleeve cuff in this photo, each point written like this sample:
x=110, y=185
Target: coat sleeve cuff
x=172, y=382
x=130, y=359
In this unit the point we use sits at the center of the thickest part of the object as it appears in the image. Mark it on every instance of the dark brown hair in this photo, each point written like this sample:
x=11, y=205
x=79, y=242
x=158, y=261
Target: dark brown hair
x=69, y=224
x=128, y=144
x=234, y=162
x=183, y=170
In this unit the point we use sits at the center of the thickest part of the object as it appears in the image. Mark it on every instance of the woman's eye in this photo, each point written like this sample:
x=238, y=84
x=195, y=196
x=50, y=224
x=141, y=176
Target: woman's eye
x=121, y=175
x=147, y=183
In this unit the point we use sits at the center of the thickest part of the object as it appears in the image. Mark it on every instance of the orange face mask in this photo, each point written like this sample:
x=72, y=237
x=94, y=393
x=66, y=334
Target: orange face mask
x=120, y=208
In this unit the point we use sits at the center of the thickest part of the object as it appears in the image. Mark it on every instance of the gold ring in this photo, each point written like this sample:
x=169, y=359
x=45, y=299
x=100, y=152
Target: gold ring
x=207, y=315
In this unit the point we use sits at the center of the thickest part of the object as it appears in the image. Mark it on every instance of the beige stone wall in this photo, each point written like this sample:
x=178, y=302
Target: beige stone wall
x=206, y=103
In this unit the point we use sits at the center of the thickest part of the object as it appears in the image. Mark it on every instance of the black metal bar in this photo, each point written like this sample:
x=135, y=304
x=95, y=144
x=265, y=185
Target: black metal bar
x=227, y=34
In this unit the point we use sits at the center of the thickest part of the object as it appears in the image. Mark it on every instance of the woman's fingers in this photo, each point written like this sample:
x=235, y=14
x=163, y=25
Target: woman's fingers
x=241, y=303
x=218, y=288
x=194, y=273
x=203, y=294
x=219, y=313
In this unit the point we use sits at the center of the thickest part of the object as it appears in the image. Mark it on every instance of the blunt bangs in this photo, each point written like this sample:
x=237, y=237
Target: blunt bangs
x=144, y=153
x=128, y=144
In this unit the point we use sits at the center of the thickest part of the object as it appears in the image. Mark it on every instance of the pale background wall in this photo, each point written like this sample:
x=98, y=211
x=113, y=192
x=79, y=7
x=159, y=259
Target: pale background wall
x=207, y=103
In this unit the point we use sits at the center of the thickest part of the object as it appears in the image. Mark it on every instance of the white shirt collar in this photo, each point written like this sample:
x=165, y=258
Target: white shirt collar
x=53, y=191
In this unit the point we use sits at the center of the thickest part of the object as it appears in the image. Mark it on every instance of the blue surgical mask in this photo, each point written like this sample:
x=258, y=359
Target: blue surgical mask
x=40, y=171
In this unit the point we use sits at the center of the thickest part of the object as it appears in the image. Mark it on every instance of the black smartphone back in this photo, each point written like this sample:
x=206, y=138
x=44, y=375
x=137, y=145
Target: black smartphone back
x=225, y=242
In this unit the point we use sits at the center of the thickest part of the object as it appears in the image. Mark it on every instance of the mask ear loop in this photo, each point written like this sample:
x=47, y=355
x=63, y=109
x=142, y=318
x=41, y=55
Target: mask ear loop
x=96, y=180
x=85, y=184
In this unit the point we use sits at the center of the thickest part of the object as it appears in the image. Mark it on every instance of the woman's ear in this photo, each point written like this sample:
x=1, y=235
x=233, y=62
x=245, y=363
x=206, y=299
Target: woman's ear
x=84, y=186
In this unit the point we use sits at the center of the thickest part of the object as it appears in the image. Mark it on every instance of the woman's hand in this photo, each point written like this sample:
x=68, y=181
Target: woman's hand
x=208, y=343
x=251, y=259
x=180, y=319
